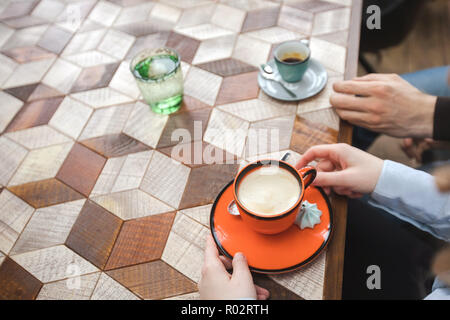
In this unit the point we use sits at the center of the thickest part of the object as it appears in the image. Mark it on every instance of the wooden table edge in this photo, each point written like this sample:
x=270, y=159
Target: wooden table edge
x=334, y=263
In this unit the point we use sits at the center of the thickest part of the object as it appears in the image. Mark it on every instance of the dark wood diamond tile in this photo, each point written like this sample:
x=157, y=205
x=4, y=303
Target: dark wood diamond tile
x=141, y=240
x=189, y=104
x=55, y=39
x=277, y=291
x=45, y=193
x=81, y=169
x=18, y=8
x=260, y=19
x=139, y=29
x=35, y=114
x=185, y=120
x=314, y=6
x=185, y=46
x=239, y=87
x=307, y=134
x=43, y=91
x=94, y=233
x=205, y=183
x=22, y=93
x=154, y=280
x=198, y=153
x=115, y=145
x=227, y=67
x=95, y=77
x=28, y=54
x=16, y=283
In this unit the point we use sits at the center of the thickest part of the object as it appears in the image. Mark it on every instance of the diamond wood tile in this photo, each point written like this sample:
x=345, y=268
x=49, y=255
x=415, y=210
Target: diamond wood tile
x=48, y=9
x=48, y=227
x=14, y=215
x=274, y=35
x=217, y=175
x=329, y=54
x=123, y=173
x=106, y=121
x=17, y=8
x=314, y=6
x=38, y=137
x=199, y=214
x=41, y=164
x=7, y=66
x=45, y=193
x=116, y=43
x=71, y=117
x=17, y=283
x=277, y=291
x=131, y=204
x=62, y=75
x=109, y=289
x=10, y=158
x=105, y=13
x=165, y=179
x=327, y=117
x=151, y=41
x=190, y=230
x=202, y=85
x=307, y=134
x=331, y=21
x=24, y=22
x=55, y=39
x=28, y=54
x=164, y=12
x=227, y=67
x=141, y=118
x=115, y=145
x=261, y=18
x=90, y=58
x=54, y=263
x=193, y=122
x=69, y=289
x=43, y=92
x=23, y=93
x=84, y=41
x=5, y=33
x=185, y=46
x=239, y=87
x=28, y=73
x=188, y=296
x=139, y=29
x=124, y=82
x=190, y=104
x=153, y=280
x=25, y=37
x=320, y=101
x=215, y=49
x=94, y=77
x=228, y=17
x=34, y=114
x=10, y=107
x=141, y=240
x=94, y=233
x=196, y=15
x=296, y=20
x=135, y=13
x=81, y=169
x=250, y=50
x=204, y=31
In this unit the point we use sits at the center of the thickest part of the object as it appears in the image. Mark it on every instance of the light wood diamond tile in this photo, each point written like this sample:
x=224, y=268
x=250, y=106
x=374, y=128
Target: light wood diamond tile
x=187, y=3
x=102, y=97
x=48, y=9
x=90, y=58
x=226, y=132
x=329, y=54
x=164, y=12
x=54, y=263
x=250, y=5
x=28, y=73
x=331, y=21
x=199, y=214
x=10, y=106
x=251, y=50
x=274, y=35
x=215, y=49
x=116, y=43
x=109, y=289
x=321, y=101
x=202, y=85
x=106, y=121
x=26, y=37
x=306, y=282
x=132, y=14
x=296, y=20
x=189, y=296
x=48, y=227
x=62, y=75
x=14, y=214
x=5, y=33
x=70, y=289
x=166, y=179
x=228, y=17
x=256, y=110
x=84, y=41
x=124, y=82
x=38, y=137
x=71, y=117
x=190, y=230
x=41, y=164
x=204, y=31
x=141, y=119
x=10, y=158
x=131, y=204
x=326, y=117
x=197, y=15
x=105, y=13
x=7, y=66
x=122, y=173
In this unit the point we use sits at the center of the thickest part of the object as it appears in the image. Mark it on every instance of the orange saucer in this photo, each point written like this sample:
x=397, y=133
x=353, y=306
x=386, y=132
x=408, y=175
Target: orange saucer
x=270, y=254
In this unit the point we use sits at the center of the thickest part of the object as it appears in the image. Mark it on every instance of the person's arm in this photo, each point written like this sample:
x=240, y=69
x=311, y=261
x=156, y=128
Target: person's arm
x=441, y=130
x=439, y=291
x=413, y=196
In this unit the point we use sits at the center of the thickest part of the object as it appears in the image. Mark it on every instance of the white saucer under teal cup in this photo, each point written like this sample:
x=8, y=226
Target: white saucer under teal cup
x=314, y=80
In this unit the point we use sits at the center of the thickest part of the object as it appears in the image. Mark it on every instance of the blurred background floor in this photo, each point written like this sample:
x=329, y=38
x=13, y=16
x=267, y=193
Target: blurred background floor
x=426, y=46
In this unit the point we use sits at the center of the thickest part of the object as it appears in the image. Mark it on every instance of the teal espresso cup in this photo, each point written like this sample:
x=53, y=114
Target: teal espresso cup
x=292, y=59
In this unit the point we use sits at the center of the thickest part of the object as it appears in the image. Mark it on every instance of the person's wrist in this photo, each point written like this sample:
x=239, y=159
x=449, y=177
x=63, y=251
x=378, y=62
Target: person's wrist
x=425, y=119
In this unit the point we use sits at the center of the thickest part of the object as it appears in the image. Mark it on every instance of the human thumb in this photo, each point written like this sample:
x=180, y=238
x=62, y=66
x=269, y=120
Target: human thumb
x=241, y=272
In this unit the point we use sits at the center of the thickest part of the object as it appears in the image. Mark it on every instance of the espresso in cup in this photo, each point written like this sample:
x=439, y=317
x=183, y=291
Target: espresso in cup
x=292, y=60
x=269, y=190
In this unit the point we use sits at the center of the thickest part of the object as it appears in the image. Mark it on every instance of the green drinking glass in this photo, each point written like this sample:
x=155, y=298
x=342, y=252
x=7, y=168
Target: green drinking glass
x=160, y=79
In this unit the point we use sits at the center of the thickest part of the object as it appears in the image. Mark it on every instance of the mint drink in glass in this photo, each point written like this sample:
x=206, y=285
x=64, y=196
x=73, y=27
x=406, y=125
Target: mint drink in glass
x=159, y=77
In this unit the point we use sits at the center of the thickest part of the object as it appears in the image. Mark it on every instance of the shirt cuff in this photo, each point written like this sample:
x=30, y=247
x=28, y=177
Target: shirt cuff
x=441, y=128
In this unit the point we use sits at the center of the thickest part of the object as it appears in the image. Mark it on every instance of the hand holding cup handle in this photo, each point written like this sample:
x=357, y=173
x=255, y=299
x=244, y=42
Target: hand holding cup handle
x=308, y=174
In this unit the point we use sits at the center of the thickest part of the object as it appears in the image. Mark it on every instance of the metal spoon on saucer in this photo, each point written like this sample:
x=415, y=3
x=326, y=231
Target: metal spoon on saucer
x=267, y=73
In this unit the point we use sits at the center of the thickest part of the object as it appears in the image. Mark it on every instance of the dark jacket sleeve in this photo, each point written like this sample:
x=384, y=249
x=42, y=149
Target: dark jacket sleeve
x=441, y=130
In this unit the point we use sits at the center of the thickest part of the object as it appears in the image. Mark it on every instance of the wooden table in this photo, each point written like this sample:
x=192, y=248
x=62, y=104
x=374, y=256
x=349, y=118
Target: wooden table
x=92, y=206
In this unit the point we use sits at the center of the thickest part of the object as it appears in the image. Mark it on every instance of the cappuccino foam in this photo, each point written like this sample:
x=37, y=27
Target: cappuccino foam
x=269, y=190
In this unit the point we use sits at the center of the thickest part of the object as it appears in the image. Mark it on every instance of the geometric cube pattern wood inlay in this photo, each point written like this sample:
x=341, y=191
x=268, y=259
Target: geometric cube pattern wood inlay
x=91, y=178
